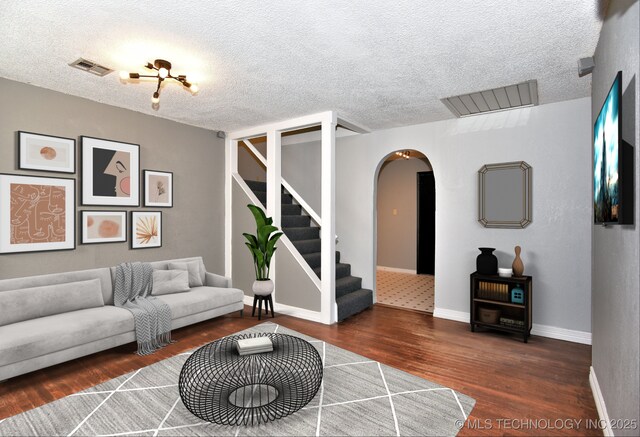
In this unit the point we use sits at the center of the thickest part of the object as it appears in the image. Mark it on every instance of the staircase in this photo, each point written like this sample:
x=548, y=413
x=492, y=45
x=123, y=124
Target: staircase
x=351, y=298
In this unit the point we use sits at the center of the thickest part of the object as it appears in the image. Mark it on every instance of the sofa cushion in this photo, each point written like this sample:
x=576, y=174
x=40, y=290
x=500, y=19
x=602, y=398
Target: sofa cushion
x=169, y=281
x=30, y=303
x=200, y=299
x=33, y=338
x=194, y=271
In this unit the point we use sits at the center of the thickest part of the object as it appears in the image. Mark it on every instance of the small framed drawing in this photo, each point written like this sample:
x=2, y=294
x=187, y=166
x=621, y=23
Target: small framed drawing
x=158, y=188
x=146, y=229
x=37, y=213
x=46, y=153
x=110, y=172
x=103, y=227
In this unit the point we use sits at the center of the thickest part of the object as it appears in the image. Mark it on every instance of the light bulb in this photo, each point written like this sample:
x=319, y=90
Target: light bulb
x=194, y=88
x=163, y=72
x=155, y=99
x=124, y=75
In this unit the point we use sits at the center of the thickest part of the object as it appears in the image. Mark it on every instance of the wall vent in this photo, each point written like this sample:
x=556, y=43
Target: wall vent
x=91, y=67
x=498, y=99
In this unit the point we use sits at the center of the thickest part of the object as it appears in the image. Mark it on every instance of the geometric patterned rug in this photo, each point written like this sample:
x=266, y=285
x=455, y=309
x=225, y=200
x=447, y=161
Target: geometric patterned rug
x=358, y=396
x=405, y=290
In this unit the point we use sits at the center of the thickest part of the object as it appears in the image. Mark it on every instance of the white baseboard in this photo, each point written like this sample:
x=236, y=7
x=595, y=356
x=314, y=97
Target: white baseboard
x=600, y=405
x=540, y=330
x=301, y=313
x=397, y=270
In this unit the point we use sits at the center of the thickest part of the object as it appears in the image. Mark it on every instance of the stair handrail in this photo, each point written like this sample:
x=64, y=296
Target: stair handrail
x=314, y=215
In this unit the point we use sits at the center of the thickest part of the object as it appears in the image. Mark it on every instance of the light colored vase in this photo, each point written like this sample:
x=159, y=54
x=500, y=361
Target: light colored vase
x=518, y=265
x=262, y=288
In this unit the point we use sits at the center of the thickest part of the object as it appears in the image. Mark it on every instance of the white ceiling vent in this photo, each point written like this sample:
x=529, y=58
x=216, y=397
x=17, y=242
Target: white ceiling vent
x=91, y=67
x=498, y=99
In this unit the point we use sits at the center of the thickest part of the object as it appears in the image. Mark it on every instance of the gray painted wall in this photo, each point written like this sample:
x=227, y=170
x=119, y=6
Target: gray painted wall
x=554, y=139
x=194, y=226
x=398, y=234
x=616, y=265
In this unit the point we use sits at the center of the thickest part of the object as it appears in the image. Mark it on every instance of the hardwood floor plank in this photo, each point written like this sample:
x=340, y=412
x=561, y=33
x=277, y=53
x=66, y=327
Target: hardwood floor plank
x=530, y=384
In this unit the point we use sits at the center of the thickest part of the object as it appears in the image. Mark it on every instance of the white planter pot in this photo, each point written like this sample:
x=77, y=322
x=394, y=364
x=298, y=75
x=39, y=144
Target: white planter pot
x=262, y=288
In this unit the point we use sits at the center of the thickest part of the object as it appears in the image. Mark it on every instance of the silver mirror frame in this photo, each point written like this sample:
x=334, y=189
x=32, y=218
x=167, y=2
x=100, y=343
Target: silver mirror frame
x=526, y=195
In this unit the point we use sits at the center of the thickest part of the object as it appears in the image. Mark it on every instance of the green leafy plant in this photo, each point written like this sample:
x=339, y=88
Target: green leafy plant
x=263, y=244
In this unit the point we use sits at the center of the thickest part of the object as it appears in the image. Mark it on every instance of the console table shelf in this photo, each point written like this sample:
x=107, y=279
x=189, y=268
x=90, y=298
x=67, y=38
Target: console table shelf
x=493, y=293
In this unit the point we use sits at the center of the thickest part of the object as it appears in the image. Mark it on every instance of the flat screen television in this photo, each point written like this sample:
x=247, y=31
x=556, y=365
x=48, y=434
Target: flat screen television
x=611, y=178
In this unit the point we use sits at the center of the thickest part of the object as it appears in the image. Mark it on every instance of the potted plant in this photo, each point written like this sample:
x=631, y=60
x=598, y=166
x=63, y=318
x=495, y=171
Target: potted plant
x=262, y=247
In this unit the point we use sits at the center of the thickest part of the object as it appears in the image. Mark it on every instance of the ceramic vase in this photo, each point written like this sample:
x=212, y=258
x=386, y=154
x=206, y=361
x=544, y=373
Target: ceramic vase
x=487, y=262
x=262, y=287
x=517, y=266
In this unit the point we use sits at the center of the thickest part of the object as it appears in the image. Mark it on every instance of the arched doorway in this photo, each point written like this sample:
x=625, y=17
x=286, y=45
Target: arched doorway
x=405, y=231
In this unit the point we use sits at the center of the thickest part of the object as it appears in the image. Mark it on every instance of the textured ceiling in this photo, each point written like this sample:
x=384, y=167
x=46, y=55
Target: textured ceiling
x=379, y=63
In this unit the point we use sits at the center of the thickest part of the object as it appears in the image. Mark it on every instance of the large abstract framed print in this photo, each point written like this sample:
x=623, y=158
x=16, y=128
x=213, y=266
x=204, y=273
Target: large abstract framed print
x=158, y=188
x=110, y=172
x=46, y=153
x=103, y=227
x=36, y=213
x=146, y=229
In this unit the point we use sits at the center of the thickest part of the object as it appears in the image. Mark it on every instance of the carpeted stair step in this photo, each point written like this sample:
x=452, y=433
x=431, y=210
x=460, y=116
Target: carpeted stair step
x=308, y=246
x=295, y=221
x=354, y=302
x=289, y=209
x=308, y=233
x=262, y=197
x=342, y=270
x=347, y=284
x=313, y=259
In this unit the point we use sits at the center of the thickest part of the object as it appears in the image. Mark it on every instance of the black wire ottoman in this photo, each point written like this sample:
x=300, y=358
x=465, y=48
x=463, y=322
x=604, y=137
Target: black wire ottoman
x=220, y=386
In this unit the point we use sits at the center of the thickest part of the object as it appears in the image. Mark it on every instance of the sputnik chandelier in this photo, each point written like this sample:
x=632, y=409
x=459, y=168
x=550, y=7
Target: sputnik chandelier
x=404, y=154
x=163, y=69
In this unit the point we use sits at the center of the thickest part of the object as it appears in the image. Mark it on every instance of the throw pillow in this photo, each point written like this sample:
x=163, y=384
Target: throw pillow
x=195, y=280
x=31, y=303
x=169, y=281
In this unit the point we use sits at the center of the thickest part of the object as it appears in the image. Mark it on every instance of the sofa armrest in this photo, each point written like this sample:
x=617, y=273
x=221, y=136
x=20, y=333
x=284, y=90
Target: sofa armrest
x=213, y=280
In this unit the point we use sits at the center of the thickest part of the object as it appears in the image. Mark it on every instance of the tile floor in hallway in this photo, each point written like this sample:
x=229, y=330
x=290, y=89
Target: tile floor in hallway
x=405, y=290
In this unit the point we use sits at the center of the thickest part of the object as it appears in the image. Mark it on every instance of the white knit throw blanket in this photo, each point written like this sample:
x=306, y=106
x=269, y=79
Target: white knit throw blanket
x=152, y=317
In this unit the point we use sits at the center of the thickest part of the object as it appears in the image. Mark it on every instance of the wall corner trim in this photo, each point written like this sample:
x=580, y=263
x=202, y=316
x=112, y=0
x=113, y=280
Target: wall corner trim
x=540, y=330
x=600, y=405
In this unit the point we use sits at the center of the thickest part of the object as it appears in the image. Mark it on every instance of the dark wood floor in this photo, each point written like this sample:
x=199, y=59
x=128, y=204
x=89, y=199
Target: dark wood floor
x=543, y=381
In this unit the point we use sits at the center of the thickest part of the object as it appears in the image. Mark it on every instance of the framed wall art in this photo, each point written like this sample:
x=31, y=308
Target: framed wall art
x=37, y=213
x=46, y=153
x=103, y=227
x=158, y=188
x=110, y=172
x=146, y=229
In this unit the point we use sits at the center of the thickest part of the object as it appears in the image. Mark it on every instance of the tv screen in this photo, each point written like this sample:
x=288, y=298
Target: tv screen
x=606, y=157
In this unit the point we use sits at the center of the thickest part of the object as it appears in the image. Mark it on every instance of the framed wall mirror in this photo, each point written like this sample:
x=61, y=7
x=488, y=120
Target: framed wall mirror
x=504, y=195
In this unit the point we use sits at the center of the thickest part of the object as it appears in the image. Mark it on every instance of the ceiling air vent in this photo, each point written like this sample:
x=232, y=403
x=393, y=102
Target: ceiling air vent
x=498, y=99
x=91, y=67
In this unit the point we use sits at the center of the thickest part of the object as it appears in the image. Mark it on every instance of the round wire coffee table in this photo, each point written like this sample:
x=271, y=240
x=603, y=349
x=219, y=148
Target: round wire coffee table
x=221, y=386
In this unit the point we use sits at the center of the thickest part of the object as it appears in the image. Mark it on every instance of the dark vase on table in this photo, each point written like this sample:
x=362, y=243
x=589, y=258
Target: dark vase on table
x=487, y=262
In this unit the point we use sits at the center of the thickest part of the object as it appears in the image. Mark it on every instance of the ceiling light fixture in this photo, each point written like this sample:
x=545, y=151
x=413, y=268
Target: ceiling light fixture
x=406, y=154
x=163, y=69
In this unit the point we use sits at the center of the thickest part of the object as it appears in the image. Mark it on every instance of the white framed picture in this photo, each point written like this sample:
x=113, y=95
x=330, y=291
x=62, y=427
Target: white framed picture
x=146, y=229
x=158, y=188
x=37, y=213
x=46, y=153
x=110, y=172
x=103, y=227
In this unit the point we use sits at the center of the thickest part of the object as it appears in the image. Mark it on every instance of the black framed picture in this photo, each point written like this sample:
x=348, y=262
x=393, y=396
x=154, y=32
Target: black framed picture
x=103, y=227
x=46, y=153
x=37, y=213
x=158, y=188
x=110, y=172
x=146, y=229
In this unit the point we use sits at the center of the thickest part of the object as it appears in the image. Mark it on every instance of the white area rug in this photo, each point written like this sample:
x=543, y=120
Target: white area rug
x=358, y=396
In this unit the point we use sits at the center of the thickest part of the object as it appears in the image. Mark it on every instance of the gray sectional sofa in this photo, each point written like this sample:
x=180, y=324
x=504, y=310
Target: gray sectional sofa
x=49, y=319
